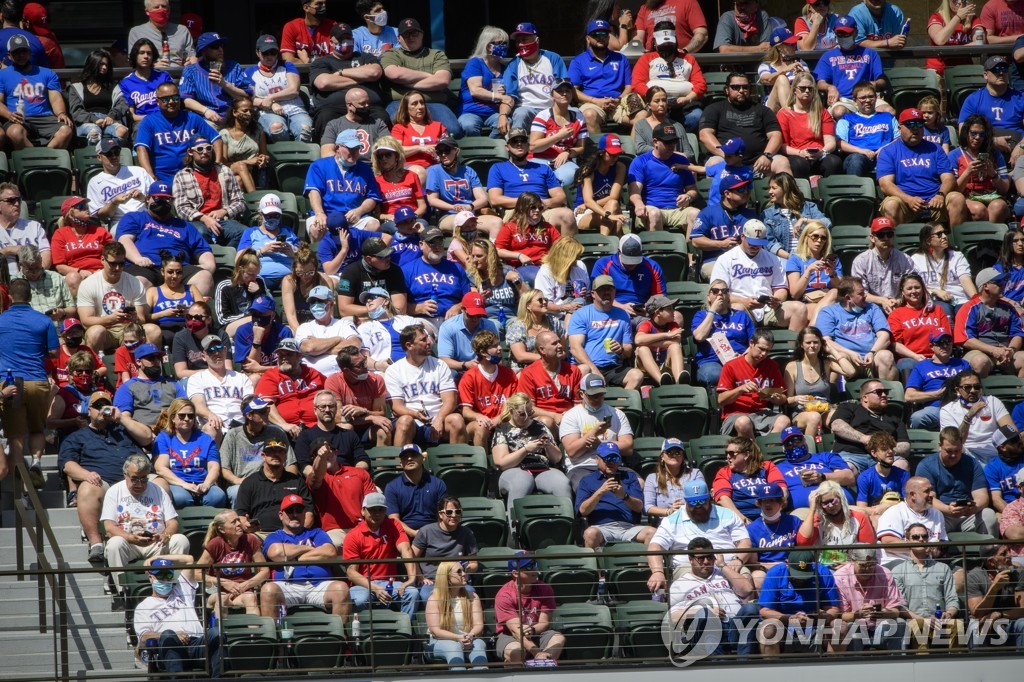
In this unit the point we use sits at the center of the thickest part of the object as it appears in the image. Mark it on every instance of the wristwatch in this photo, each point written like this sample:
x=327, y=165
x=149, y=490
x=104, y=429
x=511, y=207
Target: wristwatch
x=768, y=155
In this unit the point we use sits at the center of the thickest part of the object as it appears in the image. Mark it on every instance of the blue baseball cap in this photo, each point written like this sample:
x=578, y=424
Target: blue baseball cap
x=525, y=563
x=403, y=213
x=412, y=447
x=262, y=304
x=938, y=336
x=159, y=189
x=696, y=492
x=524, y=29
x=782, y=35
x=772, y=491
x=734, y=145
x=197, y=140
x=790, y=432
x=598, y=25
x=254, y=405
x=348, y=138
x=735, y=180
x=160, y=566
x=609, y=452
x=845, y=24
x=672, y=444
x=147, y=349
x=320, y=293
x=208, y=39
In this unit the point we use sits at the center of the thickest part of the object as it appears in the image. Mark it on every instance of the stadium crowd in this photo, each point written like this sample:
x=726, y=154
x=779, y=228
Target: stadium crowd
x=192, y=335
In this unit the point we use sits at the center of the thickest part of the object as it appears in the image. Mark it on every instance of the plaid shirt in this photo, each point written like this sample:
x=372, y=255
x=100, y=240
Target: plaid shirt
x=188, y=197
x=50, y=291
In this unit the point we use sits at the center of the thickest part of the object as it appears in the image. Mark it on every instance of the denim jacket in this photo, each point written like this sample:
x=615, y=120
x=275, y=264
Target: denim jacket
x=780, y=227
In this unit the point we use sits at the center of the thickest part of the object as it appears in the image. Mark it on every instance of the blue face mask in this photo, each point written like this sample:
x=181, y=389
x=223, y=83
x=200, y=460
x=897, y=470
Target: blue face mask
x=590, y=408
x=499, y=51
x=377, y=313
x=271, y=223
x=318, y=309
x=856, y=309
x=163, y=587
x=796, y=453
x=494, y=359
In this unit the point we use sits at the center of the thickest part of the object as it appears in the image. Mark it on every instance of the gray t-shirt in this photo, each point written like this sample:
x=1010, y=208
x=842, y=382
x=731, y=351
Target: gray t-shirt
x=242, y=454
x=435, y=542
x=179, y=40
x=729, y=32
x=367, y=132
x=978, y=581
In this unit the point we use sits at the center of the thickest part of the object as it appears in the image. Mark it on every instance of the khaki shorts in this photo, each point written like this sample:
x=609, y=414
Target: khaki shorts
x=503, y=640
x=618, y=115
x=547, y=214
x=30, y=415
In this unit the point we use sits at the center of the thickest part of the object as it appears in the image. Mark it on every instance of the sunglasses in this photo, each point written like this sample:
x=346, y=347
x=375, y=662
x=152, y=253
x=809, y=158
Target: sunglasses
x=203, y=149
x=940, y=234
x=216, y=348
x=817, y=237
x=305, y=273
x=804, y=88
x=185, y=416
x=733, y=453
x=167, y=99
x=164, y=576
x=880, y=391
x=702, y=558
x=830, y=502
x=195, y=317
x=614, y=459
x=452, y=512
x=114, y=263
x=717, y=291
x=1000, y=70
x=13, y=201
x=914, y=125
x=739, y=87
x=885, y=235
x=919, y=538
x=971, y=388
x=977, y=133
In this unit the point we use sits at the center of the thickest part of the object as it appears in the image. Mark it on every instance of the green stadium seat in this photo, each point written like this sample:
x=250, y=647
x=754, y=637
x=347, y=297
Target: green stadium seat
x=626, y=576
x=962, y=81
x=640, y=630
x=627, y=400
x=848, y=241
x=290, y=161
x=910, y=85
x=482, y=148
x=248, y=643
x=908, y=236
x=980, y=241
x=668, y=249
x=596, y=246
x=849, y=197
x=680, y=411
x=588, y=630
x=50, y=210
x=692, y=297
x=785, y=345
x=42, y=172
x=646, y=453
x=385, y=639
x=716, y=86
x=318, y=640
x=487, y=519
x=543, y=520
x=493, y=572
x=1009, y=389
x=704, y=187
x=225, y=258
x=193, y=522
x=700, y=450
x=573, y=579
x=463, y=468
x=384, y=464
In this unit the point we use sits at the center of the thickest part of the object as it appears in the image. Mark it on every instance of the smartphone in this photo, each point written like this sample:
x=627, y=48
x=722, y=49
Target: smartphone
x=51, y=312
x=962, y=502
x=813, y=150
x=146, y=534
x=281, y=238
x=983, y=157
x=254, y=524
x=763, y=300
x=831, y=259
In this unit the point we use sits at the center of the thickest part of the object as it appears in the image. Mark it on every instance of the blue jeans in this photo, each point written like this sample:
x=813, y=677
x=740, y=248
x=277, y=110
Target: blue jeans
x=746, y=616
x=231, y=232
x=905, y=366
x=214, y=497
x=522, y=117
x=691, y=119
x=566, y=174
x=93, y=133
x=438, y=112
x=360, y=597
x=173, y=654
x=1018, y=207
x=709, y=373
x=857, y=461
x=858, y=164
x=299, y=126
x=925, y=418
x=455, y=655
x=472, y=124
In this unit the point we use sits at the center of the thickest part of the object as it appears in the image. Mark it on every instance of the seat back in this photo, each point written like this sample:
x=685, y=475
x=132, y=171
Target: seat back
x=463, y=468
x=680, y=411
x=640, y=629
x=486, y=518
x=626, y=575
x=543, y=520
x=588, y=631
x=385, y=464
x=318, y=640
x=627, y=400
x=386, y=639
x=249, y=643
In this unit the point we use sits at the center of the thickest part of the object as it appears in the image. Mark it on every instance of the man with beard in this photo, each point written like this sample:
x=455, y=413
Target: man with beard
x=196, y=198
x=373, y=270
x=436, y=285
x=344, y=441
x=995, y=590
x=358, y=117
x=661, y=188
x=241, y=451
x=144, y=397
x=895, y=522
x=852, y=423
x=745, y=29
x=162, y=139
x=601, y=78
x=506, y=180
x=1001, y=471
x=290, y=388
x=342, y=183
x=361, y=394
x=322, y=337
x=333, y=75
x=551, y=381
x=110, y=299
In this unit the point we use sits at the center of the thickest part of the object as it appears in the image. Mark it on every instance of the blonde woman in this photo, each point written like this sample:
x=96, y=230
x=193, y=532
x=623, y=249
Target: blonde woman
x=187, y=459
x=521, y=331
x=455, y=619
x=808, y=131
x=812, y=267
x=226, y=542
x=780, y=66
x=525, y=452
x=501, y=286
x=663, y=489
x=399, y=185
x=815, y=28
x=833, y=522
x=563, y=278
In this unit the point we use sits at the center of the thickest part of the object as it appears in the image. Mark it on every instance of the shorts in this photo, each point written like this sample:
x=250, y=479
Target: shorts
x=304, y=593
x=619, y=531
x=503, y=640
x=361, y=223
x=154, y=276
x=619, y=115
x=547, y=214
x=40, y=129
x=30, y=415
x=422, y=435
x=614, y=375
x=675, y=217
x=763, y=420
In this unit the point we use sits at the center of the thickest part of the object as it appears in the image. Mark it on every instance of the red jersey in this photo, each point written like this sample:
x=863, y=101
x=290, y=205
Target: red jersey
x=364, y=393
x=124, y=361
x=293, y=397
x=648, y=327
x=534, y=242
x=484, y=395
x=408, y=136
x=738, y=372
x=339, y=498
x=405, y=192
x=556, y=394
x=83, y=252
x=685, y=14
x=913, y=327
x=961, y=35
x=296, y=35
x=511, y=604
x=58, y=367
x=363, y=543
x=685, y=67
x=545, y=123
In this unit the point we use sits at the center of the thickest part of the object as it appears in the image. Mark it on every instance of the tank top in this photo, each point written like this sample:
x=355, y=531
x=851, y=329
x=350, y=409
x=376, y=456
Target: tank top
x=165, y=303
x=602, y=183
x=819, y=389
x=302, y=312
x=97, y=103
x=240, y=149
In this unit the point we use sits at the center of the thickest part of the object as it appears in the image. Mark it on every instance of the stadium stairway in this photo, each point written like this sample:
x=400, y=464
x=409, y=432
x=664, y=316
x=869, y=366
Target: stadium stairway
x=96, y=634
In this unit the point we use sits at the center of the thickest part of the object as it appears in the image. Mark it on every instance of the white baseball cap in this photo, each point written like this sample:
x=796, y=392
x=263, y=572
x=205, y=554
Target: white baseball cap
x=270, y=203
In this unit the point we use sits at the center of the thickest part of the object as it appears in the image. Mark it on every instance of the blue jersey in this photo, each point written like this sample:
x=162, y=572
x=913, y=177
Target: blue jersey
x=189, y=460
x=152, y=236
x=596, y=326
x=636, y=286
x=846, y=69
x=715, y=173
x=477, y=67
x=856, y=331
x=405, y=248
x=818, y=281
x=610, y=508
x=330, y=246
x=1001, y=476
x=513, y=180
x=141, y=93
x=819, y=461
x=871, y=485
x=916, y=170
x=714, y=222
x=868, y=132
x=377, y=45
x=167, y=140
x=661, y=184
x=744, y=490
x=26, y=337
x=780, y=594
x=342, y=190
x=870, y=27
x=33, y=84
x=996, y=325
x=1013, y=288
x=737, y=325
x=453, y=188
x=1002, y=111
x=600, y=182
x=268, y=348
x=35, y=46
x=928, y=375
x=771, y=536
x=938, y=137
x=301, y=572
x=596, y=78
x=195, y=84
x=446, y=282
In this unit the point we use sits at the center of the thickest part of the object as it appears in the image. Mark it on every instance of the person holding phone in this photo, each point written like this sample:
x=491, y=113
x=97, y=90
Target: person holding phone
x=960, y=487
x=981, y=171
x=611, y=499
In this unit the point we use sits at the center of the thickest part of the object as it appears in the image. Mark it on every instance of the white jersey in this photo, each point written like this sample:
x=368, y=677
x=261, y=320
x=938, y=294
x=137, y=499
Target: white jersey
x=376, y=337
x=714, y=591
x=264, y=84
x=931, y=271
x=894, y=521
x=103, y=187
x=576, y=285
x=177, y=612
x=22, y=232
x=150, y=511
x=326, y=364
x=222, y=396
x=106, y=298
x=420, y=388
x=579, y=421
x=750, y=277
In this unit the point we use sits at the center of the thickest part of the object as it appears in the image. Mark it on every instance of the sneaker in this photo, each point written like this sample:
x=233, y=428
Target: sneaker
x=683, y=378
x=71, y=498
x=35, y=474
x=96, y=557
x=666, y=379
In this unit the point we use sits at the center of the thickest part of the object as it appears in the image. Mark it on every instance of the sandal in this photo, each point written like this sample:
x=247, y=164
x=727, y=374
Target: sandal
x=71, y=498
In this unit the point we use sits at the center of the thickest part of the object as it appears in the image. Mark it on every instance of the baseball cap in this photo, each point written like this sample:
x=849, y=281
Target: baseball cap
x=194, y=23
x=665, y=132
x=473, y=304
x=198, y=140
x=881, y=224
x=266, y=43
x=413, y=448
x=319, y=293
x=211, y=340
x=631, y=250
x=107, y=145
x=845, y=24
x=803, y=564
x=523, y=564
x=559, y=82
x=447, y=140
x=208, y=39
x=672, y=444
x=159, y=189
x=262, y=304
x=270, y=203
x=782, y=35
x=665, y=37
x=341, y=30
x=610, y=143
x=696, y=492
x=292, y=500
x=375, y=292
x=609, y=451
x=35, y=15
x=659, y=301
x=69, y=324
x=989, y=275
x=99, y=396
x=755, y=232
x=734, y=180
x=70, y=203
x=593, y=384
x=996, y=60
x=255, y=405
x=937, y=336
x=348, y=138
x=602, y=281
x=276, y=444
x=790, y=432
x=147, y=349
x=430, y=234
x=517, y=132
x=374, y=500
x=524, y=29
x=463, y=217
x=734, y=145
x=911, y=114
x=1019, y=478
x=408, y=25
x=290, y=345
x=1004, y=434
x=771, y=491
x=160, y=566
x=375, y=246
x=598, y=25
x=17, y=42
x=403, y=213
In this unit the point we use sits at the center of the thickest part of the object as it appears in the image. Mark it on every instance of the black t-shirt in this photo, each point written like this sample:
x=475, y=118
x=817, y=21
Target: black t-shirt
x=857, y=416
x=186, y=349
x=330, y=64
x=355, y=279
x=751, y=123
x=260, y=498
x=345, y=441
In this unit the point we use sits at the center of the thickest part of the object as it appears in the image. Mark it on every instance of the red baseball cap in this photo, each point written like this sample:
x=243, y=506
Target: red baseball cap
x=911, y=115
x=70, y=203
x=290, y=501
x=882, y=223
x=473, y=304
x=610, y=143
x=35, y=15
x=194, y=23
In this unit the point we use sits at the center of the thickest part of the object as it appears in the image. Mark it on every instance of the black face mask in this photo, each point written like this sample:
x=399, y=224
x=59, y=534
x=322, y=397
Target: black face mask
x=161, y=207
x=74, y=341
x=152, y=373
x=362, y=112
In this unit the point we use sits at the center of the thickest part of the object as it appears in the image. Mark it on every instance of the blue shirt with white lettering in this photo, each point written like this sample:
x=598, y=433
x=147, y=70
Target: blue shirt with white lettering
x=871, y=485
x=1001, y=476
x=141, y=93
x=1002, y=111
x=189, y=460
x=768, y=536
x=152, y=236
x=405, y=248
x=453, y=188
x=824, y=462
x=513, y=180
x=33, y=83
x=714, y=222
x=446, y=281
x=928, y=375
x=737, y=325
x=167, y=140
x=916, y=170
x=868, y=132
x=844, y=70
x=855, y=331
x=341, y=189
x=596, y=326
x=301, y=571
x=661, y=184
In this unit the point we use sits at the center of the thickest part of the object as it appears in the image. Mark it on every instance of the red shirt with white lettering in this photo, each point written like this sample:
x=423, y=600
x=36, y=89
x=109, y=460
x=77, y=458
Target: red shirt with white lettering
x=738, y=372
x=405, y=192
x=534, y=242
x=487, y=396
x=81, y=252
x=296, y=36
x=409, y=137
x=912, y=327
x=558, y=397
x=293, y=397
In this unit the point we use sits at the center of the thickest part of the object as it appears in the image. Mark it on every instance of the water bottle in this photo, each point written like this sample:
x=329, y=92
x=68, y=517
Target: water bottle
x=501, y=318
x=167, y=352
x=433, y=293
x=390, y=589
x=9, y=381
x=602, y=587
x=356, y=629
x=282, y=611
x=659, y=595
x=906, y=28
x=21, y=104
x=938, y=612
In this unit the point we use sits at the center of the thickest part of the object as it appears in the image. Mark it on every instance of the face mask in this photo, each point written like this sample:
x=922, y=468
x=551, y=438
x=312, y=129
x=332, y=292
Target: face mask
x=161, y=208
x=163, y=587
x=159, y=16
x=796, y=453
x=321, y=10
x=345, y=48
x=271, y=223
x=494, y=359
x=74, y=341
x=152, y=373
x=469, y=236
x=499, y=51
x=133, y=345
x=377, y=313
x=527, y=50
x=856, y=309
x=845, y=43
x=363, y=376
x=362, y=112
x=380, y=19
x=590, y=408
x=774, y=517
x=345, y=163
x=82, y=383
x=318, y=310
x=195, y=325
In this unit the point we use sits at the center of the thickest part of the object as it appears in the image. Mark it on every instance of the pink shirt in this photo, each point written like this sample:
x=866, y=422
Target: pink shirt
x=881, y=589
x=1002, y=18
x=1013, y=515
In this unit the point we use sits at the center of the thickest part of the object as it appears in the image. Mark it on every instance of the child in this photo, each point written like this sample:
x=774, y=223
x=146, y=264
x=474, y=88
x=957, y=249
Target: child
x=883, y=485
x=72, y=340
x=658, y=347
x=732, y=152
x=124, y=359
x=934, y=129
